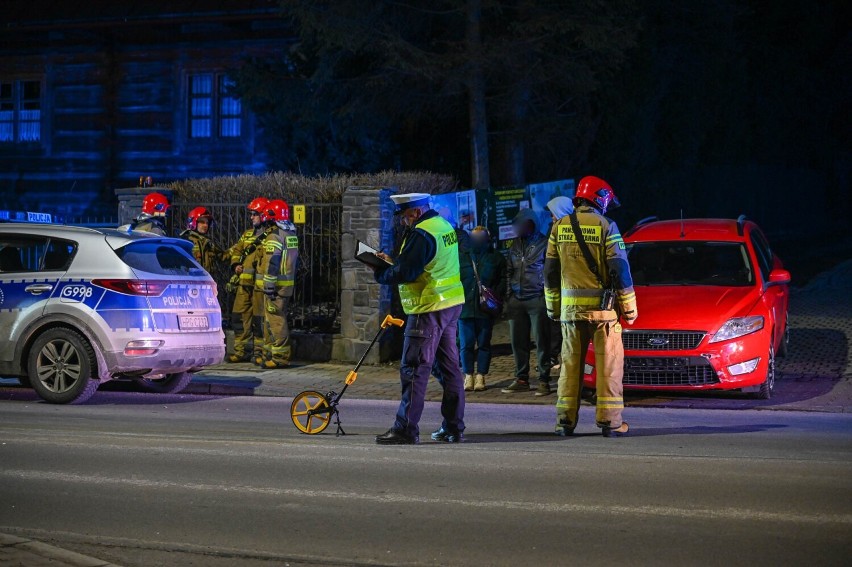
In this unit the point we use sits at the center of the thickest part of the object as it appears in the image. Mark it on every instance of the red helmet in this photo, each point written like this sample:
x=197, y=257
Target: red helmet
x=598, y=192
x=257, y=205
x=197, y=214
x=277, y=210
x=155, y=204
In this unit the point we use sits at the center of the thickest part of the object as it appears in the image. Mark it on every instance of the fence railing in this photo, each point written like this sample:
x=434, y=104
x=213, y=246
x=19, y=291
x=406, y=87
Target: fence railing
x=316, y=303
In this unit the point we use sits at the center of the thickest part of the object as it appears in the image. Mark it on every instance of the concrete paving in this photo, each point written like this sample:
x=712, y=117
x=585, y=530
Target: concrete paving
x=816, y=375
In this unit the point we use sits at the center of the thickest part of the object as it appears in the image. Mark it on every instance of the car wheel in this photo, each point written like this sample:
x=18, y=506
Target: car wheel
x=61, y=365
x=170, y=384
x=768, y=386
x=784, y=347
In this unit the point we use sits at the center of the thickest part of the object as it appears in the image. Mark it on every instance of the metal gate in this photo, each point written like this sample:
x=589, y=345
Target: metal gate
x=316, y=303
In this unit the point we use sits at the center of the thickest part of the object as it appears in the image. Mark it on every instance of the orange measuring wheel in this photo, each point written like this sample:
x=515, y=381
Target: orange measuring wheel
x=311, y=412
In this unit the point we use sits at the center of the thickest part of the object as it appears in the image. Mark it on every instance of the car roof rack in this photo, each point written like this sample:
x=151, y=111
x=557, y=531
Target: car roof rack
x=641, y=222
x=741, y=224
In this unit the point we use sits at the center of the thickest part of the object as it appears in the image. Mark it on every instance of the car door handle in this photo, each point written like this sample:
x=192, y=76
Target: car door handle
x=38, y=288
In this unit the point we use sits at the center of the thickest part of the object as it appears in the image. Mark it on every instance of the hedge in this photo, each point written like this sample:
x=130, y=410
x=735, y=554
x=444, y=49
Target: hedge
x=293, y=187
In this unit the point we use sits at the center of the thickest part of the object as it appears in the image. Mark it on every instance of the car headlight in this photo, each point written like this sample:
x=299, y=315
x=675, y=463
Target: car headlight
x=738, y=327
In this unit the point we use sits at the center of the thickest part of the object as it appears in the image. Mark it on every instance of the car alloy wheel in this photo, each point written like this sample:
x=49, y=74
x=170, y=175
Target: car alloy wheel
x=768, y=386
x=60, y=367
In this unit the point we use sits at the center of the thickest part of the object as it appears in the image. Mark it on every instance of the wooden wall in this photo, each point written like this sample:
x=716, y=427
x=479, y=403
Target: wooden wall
x=114, y=105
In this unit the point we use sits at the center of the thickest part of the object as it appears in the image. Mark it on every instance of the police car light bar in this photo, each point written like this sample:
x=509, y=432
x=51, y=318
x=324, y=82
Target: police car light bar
x=25, y=216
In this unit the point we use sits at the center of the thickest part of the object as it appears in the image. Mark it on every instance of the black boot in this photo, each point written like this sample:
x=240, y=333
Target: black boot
x=394, y=437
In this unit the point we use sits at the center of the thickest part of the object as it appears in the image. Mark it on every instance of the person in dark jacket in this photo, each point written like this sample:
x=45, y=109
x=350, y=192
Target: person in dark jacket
x=476, y=326
x=525, y=306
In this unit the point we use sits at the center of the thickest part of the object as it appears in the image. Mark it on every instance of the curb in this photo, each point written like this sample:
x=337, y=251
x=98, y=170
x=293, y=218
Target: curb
x=26, y=548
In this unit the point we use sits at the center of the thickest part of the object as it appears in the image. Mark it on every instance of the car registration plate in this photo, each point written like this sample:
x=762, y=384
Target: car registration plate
x=194, y=322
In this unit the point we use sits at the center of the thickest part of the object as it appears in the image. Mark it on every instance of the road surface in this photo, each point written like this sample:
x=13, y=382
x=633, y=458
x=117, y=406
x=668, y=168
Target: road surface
x=143, y=479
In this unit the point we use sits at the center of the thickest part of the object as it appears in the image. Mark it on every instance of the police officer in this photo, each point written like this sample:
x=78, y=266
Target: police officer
x=153, y=216
x=586, y=257
x=430, y=290
x=276, y=273
x=198, y=225
x=247, y=311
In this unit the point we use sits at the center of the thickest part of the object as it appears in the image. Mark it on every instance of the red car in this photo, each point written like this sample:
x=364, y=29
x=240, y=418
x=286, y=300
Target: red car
x=712, y=300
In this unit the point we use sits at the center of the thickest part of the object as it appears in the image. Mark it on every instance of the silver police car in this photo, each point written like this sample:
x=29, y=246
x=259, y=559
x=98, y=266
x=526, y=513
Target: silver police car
x=82, y=306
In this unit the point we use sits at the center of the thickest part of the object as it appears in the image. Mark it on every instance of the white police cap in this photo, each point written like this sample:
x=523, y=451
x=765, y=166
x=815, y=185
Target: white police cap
x=410, y=201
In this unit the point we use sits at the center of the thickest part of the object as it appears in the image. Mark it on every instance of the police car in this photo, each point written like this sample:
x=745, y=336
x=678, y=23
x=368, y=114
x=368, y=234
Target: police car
x=83, y=306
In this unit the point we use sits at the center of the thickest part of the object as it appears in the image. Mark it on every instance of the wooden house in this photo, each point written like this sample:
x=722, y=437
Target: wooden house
x=95, y=94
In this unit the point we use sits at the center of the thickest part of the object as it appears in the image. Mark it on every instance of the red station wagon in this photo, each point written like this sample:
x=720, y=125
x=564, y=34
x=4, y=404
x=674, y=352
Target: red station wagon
x=712, y=300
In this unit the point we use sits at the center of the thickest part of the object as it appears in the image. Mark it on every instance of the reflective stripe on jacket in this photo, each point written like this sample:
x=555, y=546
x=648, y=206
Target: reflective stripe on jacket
x=571, y=289
x=277, y=261
x=250, y=261
x=439, y=286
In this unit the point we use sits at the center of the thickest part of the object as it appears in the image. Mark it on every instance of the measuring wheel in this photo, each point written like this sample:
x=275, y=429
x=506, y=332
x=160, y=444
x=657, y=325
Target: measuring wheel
x=311, y=412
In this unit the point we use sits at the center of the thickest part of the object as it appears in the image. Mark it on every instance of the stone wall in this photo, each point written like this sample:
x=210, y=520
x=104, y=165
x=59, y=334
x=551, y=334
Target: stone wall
x=130, y=201
x=368, y=217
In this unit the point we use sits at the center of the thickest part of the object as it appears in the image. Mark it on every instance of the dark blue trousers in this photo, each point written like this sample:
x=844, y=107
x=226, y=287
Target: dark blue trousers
x=475, y=332
x=430, y=339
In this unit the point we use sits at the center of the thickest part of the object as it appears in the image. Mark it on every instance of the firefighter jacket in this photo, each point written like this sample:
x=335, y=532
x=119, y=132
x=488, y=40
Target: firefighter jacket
x=245, y=252
x=148, y=223
x=204, y=250
x=572, y=291
x=525, y=267
x=427, y=269
x=276, y=266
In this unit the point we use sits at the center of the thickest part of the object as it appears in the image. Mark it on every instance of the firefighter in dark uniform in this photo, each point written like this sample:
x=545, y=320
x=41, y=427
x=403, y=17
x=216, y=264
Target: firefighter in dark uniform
x=247, y=311
x=577, y=293
x=276, y=274
x=430, y=290
x=204, y=250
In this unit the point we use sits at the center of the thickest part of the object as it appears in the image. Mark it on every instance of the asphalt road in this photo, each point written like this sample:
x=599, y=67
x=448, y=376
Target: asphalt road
x=142, y=479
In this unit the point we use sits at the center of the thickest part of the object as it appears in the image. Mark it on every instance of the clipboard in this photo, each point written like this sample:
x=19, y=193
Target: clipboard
x=367, y=255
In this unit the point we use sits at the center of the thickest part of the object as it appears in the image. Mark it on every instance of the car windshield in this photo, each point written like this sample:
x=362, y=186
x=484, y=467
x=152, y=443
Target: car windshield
x=159, y=258
x=690, y=263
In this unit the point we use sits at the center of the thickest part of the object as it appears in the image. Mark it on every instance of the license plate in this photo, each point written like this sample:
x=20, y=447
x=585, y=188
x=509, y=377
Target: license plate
x=194, y=322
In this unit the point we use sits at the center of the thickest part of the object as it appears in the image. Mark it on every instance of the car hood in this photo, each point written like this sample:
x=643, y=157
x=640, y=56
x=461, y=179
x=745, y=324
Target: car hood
x=691, y=308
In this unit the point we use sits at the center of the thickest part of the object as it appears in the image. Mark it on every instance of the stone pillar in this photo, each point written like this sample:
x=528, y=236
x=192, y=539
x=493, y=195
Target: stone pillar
x=367, y=216
x=130, y=201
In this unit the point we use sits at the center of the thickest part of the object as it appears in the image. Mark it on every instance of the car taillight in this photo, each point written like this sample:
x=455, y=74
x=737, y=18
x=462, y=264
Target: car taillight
x=143, y=347
x=133, y=287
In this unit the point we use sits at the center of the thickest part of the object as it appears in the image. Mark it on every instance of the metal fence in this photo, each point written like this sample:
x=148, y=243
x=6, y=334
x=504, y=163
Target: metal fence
x=316, y=303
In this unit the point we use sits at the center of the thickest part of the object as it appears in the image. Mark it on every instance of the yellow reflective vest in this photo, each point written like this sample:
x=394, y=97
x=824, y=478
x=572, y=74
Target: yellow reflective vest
x=439, y=286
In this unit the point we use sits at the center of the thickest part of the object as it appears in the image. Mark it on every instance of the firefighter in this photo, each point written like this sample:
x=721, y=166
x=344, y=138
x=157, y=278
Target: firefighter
x=579, y=273
x=276, y=273
x=153, y=216
x=198, y=225
x=247, y=311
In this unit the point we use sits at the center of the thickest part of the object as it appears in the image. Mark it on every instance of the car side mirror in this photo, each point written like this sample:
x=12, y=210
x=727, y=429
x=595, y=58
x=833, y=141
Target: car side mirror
x=778, y=276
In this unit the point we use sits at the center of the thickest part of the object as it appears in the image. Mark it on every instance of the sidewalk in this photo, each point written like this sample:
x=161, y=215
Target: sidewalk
x=816, y=376
x=21, y=552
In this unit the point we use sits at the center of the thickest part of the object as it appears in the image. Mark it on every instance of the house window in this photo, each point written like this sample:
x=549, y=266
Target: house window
x=20, y=111
x=213, y=110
